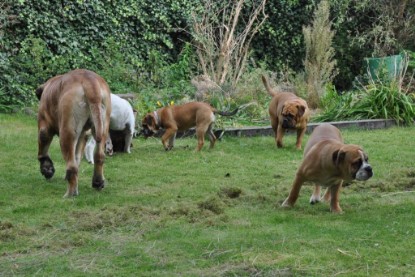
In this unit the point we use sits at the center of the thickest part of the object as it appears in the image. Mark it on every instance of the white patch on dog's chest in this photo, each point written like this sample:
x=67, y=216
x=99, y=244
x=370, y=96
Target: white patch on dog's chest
x=362, y=174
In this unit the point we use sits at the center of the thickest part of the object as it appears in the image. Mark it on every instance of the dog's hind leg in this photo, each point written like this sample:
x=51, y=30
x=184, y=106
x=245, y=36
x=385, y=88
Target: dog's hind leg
x=68, y=144
x=127, y=146
x=212, y=137
x=80, y=147
x=98, y=181
x=99, y=100
x=128, y=138
x=200, y=134
x=102, y=114
x=327, y=195
x=44, y=140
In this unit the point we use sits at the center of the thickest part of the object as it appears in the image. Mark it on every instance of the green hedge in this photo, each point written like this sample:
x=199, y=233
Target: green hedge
x=43, y=38
x=280, y=41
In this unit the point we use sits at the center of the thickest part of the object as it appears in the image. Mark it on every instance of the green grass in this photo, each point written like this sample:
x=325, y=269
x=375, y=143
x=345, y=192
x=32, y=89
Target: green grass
x=213, y=213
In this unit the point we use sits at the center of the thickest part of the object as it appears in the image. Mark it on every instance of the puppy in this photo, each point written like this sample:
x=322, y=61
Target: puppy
x=287, y=111
x=180, y=118
x=329, y=162
x=70, y=104
x=121, y=119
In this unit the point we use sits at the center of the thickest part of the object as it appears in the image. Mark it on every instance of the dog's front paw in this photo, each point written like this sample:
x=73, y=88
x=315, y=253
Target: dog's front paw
x=69, y=194
x=98, y=182
x=314, y=199
x=337, y=210
x=287, y=204
x=46, y=167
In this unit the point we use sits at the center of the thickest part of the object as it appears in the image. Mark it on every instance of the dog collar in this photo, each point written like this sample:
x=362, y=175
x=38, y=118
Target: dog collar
x=156, y=117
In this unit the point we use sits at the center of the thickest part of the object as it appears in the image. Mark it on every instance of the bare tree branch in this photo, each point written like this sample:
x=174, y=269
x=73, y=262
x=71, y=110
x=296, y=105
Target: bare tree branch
x=222, y=41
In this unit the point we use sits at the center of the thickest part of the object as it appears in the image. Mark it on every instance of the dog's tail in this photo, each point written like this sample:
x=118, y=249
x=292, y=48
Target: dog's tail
x=97, y=114
x=98, y=109
x=226, y=113
x=267, y=86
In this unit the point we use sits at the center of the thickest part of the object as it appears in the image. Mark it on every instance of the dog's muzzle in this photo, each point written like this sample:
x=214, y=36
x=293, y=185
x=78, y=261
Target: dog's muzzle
x=287, y=123
x=365, y=172
x=147, y=133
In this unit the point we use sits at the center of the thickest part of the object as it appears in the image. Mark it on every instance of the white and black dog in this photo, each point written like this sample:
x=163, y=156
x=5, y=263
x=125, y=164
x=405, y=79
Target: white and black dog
x=122, y=119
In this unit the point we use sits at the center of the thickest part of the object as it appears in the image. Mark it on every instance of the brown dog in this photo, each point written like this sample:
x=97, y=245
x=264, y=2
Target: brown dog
x=287, y=111
x=180, y=118
x=70, y=104
x=329, y=162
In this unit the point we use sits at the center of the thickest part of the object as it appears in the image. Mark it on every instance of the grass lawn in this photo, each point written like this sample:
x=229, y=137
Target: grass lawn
x=213, y=213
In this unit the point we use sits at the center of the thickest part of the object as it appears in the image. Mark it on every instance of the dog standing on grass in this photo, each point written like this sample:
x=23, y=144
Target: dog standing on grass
x=71, y=104
x=180, y=118
x=121, y=119
x=328, y=162
x=287, y=111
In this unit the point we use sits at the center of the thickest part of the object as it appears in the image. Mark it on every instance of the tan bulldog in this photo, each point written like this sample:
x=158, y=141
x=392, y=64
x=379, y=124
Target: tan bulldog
x=180, y=118
x=71, y=104
x=287, y=111
x=328, y=162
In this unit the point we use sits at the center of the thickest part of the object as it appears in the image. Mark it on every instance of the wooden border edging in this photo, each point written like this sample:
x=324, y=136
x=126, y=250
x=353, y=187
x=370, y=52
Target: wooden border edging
x=359, y=124
x=267, y=130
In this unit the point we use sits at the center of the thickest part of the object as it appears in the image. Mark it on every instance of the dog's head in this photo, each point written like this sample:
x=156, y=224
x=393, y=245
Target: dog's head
x=353, y=163
x=292, y=114
x=149, y=125
x=109, y=147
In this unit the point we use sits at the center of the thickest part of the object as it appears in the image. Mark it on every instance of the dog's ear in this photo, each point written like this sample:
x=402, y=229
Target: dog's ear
x=338, y=157
x=39, y=92
x=300, y=110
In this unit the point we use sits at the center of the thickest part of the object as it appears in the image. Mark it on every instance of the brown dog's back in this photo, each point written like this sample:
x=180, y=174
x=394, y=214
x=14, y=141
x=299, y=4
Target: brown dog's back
x=187, y=115
x=323, y=132
x=58, y=94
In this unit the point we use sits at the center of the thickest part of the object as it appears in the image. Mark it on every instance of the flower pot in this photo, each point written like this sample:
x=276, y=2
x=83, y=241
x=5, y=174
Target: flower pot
x=388, y=67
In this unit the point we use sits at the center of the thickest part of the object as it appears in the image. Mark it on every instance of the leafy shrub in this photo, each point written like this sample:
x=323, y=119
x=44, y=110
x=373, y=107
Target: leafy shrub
x=164, y=83
x=252, y=96
x=382, y=100
x=411, y=62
